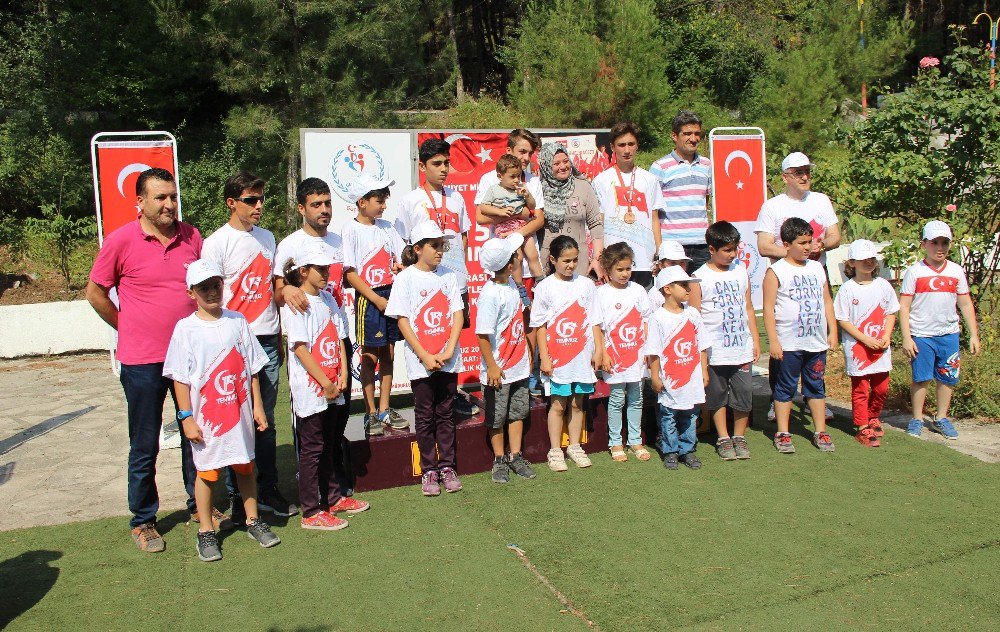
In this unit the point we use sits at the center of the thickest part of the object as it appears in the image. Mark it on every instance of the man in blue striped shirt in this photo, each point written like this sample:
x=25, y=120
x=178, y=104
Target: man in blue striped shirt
x=685, y=179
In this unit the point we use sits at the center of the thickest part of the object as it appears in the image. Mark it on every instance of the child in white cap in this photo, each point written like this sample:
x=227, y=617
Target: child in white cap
x=865, y=309
x=214, y=359
x=928, y=319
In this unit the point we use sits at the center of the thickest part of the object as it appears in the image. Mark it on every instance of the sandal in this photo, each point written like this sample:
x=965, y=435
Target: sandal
x=618, y=454
x=640, y=452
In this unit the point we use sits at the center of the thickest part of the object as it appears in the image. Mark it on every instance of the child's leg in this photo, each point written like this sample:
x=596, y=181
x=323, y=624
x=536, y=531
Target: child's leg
x=203, y=499
x=327, y=479
x=814, y=387
x=518, y=271
x=385, y=356
x=616, y=402
x=817, y=408
x=918, y=395
x=860, y=402
x=423, y=422
x=668, y=430
x=741, y=419
x=531, y=254
x=369, y=356
x=310, y=432
x=248, y=489
x=576, y=418
x=496, y=410
x=789, y=371
x=557, y=413
x=445, y=389
x=633, y=412
x=515, y=433
x=880, y=390
x=517, y=410
x=944, y=392
x=686, y=426
x=721, y=425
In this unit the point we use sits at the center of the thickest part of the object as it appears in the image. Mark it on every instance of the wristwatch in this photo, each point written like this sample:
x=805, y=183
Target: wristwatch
x=183, y=414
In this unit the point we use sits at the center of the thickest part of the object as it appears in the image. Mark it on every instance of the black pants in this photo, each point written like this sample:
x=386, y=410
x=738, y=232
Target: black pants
x=318, y=487
x=433, y=408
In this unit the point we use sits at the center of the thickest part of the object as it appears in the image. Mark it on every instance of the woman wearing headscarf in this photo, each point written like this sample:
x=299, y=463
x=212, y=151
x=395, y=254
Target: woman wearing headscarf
x=571, y=207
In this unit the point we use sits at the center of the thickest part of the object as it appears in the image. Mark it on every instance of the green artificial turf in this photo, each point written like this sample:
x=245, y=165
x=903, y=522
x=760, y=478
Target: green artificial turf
x=905, y=537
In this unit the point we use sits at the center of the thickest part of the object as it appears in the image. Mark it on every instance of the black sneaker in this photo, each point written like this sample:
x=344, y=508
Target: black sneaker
x=272, y=500
x=464, y=407
x=373, y=425
x=670, y=461
x=691, y=460
x=520, y=466
x=237, y=514
x=208, y=546
x=260, y=531
x=501, y=471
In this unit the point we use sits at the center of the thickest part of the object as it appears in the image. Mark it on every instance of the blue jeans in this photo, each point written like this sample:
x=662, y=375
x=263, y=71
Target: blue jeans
x=677, y=430
x=630, y=394
x=145, y=391
x=265, y=441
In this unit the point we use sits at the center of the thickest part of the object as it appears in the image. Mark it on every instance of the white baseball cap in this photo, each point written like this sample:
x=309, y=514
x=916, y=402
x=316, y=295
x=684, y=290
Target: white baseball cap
x=862, y=249
x=673, y=250
x=428, y=229
x=365, y=184
x=937, y=228
x=200, y=271
x=795, y=159
x=673, y=274
x=313, y=253
x=496, y=252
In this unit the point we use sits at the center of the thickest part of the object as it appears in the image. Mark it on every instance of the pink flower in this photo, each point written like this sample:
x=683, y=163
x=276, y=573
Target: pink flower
x=929, y=62
x=951, y=208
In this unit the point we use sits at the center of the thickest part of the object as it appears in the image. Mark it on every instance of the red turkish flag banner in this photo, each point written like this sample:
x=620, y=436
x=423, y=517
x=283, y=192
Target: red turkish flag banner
x=119, y=164
x=738, y=176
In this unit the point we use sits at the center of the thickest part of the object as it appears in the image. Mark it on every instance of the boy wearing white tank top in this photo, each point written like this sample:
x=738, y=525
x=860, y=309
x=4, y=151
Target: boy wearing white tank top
x=798, y=316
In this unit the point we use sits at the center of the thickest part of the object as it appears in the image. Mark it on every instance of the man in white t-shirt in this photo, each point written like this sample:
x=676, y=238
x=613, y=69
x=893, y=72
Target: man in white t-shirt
x=315, y=205
x=244, y=253
x=631, y=201
x=798, y=200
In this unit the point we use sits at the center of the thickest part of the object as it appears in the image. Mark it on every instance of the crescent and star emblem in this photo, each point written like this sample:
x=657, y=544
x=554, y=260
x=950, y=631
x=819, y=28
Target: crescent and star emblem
x=739, y=153
x=135, y=167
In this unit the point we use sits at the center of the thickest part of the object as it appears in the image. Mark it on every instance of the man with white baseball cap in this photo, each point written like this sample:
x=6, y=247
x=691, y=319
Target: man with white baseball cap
x=798, y=200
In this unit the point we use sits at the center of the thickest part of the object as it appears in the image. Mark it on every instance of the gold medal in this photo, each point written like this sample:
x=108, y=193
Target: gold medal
x=629, y=216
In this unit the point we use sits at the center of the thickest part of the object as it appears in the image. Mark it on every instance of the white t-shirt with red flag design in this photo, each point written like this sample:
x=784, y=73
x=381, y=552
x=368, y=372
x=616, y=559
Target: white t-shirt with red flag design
x=724, y=312
x=935, y=293
x=634, y=196
x=500, y=315
x=321, y=328
x=372, y=250
x=678, y=340
x=246, y=259
x=566, y=310
x=429, y=301
x=865, y=307
x=623, y=314
x=293, y=244
x=447, y=209
x=218, y=360
x=814, y=208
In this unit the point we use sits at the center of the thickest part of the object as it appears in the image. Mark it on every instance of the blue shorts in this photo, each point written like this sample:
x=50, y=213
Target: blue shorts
x=937, y=359
x=573, y=388
x=810, y=366
x=373, y=328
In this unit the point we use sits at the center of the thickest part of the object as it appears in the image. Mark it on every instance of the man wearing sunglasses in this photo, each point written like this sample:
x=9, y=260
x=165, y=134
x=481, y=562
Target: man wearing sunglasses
x=245, y=254
x=798, y=200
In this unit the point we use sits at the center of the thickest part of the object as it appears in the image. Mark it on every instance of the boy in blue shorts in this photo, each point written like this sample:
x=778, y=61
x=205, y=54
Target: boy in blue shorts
x=932, y=289
x=373, y=253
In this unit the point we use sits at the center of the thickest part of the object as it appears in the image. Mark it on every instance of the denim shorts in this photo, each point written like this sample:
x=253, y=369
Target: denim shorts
x=937, y=359
x=810, y=366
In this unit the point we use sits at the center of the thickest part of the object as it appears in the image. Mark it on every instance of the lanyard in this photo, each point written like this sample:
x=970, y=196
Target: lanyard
x=438, y=214
x=631, y=184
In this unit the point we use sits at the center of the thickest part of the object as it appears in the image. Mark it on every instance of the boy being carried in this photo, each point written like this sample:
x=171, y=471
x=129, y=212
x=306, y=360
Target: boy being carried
x=798, y=317
x=511, y=201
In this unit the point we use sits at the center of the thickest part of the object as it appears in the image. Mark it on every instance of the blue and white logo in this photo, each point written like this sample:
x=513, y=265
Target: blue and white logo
x=350, y=161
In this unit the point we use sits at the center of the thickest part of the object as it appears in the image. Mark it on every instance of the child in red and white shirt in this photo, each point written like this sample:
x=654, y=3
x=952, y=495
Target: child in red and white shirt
x=505, y=358
x=865, y=308
x=928, y=319
x=214, y=359
x=677, y=353
x=624, y=309
x=570, y=347
x=427, y=302
x=317, y=379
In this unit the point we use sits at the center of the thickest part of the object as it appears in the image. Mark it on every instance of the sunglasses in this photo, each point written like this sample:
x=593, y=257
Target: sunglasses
x=797, y=173
x=251, y=200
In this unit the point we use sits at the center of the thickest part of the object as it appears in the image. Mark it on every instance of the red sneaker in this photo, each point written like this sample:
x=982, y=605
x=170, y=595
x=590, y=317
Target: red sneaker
x=350, y=505
x=324, y=521
x=876, y=426
x=866, y=436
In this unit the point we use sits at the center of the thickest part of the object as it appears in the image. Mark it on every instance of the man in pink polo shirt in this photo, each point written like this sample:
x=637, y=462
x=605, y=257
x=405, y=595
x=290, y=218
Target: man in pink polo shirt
x=147, y=261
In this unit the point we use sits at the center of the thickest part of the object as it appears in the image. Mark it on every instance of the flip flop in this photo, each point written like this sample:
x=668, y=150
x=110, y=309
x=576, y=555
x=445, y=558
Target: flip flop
x=618, y=454
x=640, y=452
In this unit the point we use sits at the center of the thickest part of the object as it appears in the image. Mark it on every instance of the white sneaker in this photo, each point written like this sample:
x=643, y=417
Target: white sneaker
x=557, y=462
x=770, y=412
x=578, y=456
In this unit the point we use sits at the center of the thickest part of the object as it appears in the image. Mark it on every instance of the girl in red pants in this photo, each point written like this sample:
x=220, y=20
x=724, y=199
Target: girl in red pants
x=865, y=308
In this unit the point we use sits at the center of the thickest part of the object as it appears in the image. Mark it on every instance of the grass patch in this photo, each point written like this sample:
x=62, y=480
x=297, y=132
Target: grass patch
x=901, y=537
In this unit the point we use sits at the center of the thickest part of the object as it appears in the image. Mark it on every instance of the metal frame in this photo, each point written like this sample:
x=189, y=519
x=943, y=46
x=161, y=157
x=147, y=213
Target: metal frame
x=757, y=131
x=97, y=184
